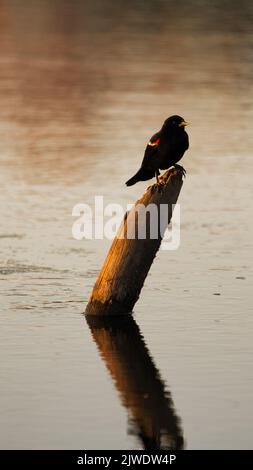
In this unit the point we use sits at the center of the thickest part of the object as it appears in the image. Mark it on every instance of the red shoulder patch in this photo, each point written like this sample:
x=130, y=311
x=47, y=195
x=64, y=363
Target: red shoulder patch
x=154, y=142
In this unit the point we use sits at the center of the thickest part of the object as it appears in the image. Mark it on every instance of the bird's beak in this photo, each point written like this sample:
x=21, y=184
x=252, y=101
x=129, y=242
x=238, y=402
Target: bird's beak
x=183, y=124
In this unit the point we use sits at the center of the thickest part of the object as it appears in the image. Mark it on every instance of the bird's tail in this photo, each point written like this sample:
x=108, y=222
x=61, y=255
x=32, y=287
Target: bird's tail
x=141, y=175
x=134, y=179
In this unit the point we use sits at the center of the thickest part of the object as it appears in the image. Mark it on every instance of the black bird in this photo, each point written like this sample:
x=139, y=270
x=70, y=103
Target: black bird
x=164, y=150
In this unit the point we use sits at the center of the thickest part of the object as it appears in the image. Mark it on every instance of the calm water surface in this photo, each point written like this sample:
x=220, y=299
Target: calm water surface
x=83, y=85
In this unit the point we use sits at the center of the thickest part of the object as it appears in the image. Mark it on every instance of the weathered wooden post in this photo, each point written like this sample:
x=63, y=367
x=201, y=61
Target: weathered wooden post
x=129, y=259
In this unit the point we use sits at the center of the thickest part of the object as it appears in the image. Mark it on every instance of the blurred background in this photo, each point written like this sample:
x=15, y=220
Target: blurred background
x=83, y=85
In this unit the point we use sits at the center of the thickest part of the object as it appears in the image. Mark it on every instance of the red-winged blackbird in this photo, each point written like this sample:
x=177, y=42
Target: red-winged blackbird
x=164, y=150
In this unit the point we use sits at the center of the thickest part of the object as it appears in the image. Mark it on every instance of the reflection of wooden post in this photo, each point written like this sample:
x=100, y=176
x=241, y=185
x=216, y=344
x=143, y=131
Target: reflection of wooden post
x=120, y=281
x=155, y=422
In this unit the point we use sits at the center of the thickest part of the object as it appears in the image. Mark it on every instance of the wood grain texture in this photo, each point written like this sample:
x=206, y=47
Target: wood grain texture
x=127, y=264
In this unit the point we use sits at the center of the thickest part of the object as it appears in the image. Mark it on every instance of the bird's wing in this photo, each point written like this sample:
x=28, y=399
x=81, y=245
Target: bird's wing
x=150, y=155
x=155, y=139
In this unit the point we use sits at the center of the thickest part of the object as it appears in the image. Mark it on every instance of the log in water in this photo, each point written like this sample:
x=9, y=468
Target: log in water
x=134, y=248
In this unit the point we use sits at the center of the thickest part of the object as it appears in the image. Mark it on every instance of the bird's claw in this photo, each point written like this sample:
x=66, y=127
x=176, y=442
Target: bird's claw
x=181, y=169
x=159, y=185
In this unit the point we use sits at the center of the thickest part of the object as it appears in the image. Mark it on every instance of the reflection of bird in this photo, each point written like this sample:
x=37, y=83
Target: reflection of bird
x=153, y=417
x=164, y=150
